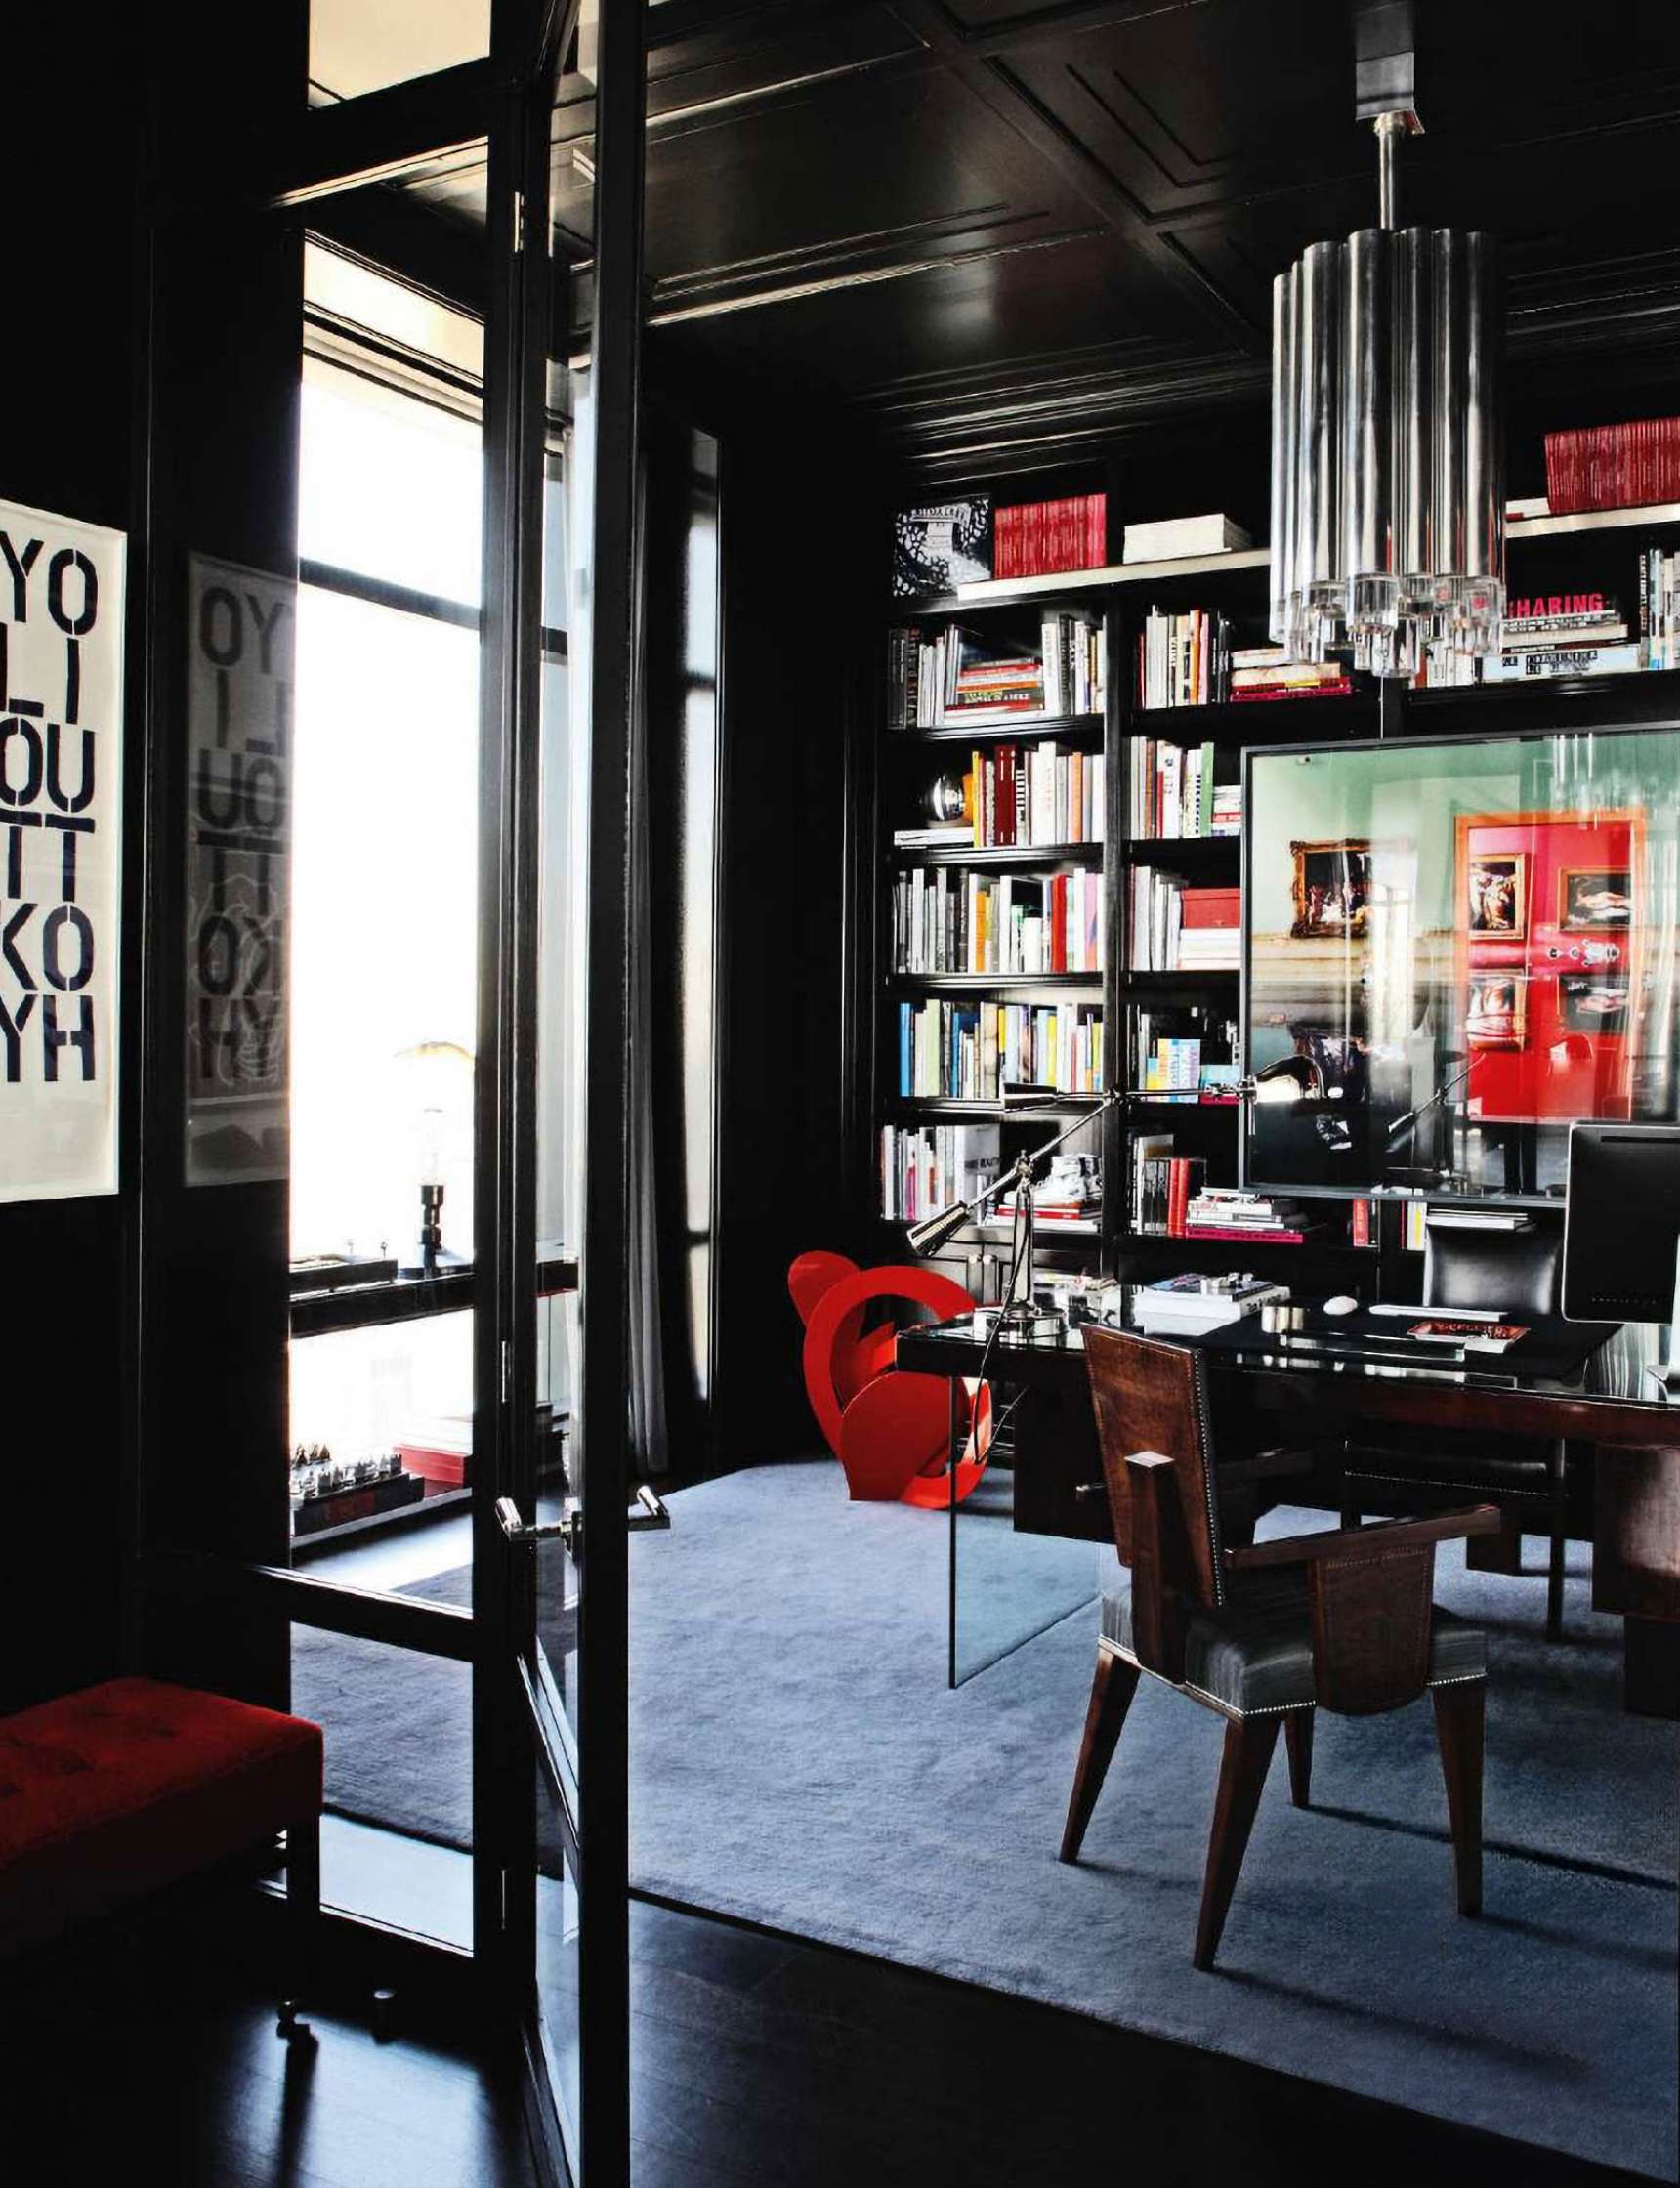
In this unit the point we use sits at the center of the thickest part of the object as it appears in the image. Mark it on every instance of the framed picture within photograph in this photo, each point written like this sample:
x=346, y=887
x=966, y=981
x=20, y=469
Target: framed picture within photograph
x=1331, y=887
x=1496, y=1011
x=1496, y=896
x=1595, y=897
x=1589, y=1003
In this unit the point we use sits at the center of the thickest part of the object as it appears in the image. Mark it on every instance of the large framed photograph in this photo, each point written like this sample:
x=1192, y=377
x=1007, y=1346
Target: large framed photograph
x=1594, y=897
x=1496, y=896
x=1497, y=1010
x=1331, y=887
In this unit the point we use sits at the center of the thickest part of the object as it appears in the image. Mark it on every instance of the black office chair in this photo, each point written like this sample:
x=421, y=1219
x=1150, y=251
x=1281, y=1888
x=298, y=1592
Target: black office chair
x=1520, y=1272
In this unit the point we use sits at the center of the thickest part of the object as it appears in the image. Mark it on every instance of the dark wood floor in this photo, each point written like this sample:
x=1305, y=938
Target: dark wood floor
x=755, y=2059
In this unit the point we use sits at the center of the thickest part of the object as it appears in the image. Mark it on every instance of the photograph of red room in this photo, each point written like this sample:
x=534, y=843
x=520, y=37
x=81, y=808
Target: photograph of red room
x=1547, y=947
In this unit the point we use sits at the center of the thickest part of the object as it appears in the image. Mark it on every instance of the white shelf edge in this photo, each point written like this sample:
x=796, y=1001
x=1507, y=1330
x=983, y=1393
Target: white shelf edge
x=1592, y=519
x=1114, y=575
x=1086, y=581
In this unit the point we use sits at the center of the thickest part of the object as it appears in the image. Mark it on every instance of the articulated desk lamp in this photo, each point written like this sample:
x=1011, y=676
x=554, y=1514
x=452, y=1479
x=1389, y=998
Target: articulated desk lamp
x=1018, y=1314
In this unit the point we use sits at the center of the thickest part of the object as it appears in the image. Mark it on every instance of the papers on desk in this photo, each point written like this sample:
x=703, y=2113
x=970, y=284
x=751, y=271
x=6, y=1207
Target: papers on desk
x=1468, y=1337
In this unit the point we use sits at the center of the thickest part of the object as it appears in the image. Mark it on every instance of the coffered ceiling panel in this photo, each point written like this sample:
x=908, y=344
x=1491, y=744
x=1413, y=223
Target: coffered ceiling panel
x=952, y=213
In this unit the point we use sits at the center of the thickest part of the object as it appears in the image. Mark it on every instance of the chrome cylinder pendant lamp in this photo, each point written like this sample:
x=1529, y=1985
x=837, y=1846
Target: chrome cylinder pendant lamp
x=1388, y=507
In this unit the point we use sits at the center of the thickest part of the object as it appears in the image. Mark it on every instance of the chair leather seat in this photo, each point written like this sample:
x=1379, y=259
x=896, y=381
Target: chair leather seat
x=1255, y=1656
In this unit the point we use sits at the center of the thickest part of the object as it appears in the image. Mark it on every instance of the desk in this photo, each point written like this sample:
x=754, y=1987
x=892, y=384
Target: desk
x=1608, y=1398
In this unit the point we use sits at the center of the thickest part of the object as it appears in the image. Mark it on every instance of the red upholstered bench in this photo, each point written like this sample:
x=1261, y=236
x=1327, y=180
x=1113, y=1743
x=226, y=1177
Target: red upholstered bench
x=114, y=1792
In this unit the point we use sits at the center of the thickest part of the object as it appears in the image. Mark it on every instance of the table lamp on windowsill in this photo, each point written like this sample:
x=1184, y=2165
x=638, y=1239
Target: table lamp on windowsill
x=1019, y=1313
x=436, y=1080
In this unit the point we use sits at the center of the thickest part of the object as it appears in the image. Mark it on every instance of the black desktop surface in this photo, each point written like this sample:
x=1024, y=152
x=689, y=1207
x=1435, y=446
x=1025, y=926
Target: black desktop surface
x=1581, y=1364
x=1551, y=1350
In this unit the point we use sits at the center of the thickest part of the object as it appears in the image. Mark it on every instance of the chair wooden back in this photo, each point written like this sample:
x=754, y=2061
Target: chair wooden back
x=1152, y=1396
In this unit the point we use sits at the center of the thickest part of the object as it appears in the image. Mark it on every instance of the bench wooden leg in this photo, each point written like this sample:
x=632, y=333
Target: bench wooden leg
x=303, y=1917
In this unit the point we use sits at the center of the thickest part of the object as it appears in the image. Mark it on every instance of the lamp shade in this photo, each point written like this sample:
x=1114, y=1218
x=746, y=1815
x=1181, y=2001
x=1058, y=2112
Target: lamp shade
x=935, y=1231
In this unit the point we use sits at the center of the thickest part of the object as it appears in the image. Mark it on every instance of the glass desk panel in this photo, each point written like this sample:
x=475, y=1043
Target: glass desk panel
x=1009, y=1587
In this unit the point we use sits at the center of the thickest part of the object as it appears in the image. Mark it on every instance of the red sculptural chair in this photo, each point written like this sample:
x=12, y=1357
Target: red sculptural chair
x=891, y=1432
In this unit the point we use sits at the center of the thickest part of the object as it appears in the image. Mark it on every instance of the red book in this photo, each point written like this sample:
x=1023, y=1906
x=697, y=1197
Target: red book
x=1211, y=907
x=1362, y=1223
x=1250, y=1236
x=1059, y=924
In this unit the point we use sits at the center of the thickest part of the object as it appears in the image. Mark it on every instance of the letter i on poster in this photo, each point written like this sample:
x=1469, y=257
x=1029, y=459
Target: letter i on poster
x=60, y=853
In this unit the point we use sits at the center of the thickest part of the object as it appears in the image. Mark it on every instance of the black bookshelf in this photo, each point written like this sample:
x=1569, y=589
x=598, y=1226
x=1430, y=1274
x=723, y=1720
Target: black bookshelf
x=1236, y=587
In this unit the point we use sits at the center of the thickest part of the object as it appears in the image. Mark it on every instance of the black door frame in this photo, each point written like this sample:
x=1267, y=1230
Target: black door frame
x=505, y=102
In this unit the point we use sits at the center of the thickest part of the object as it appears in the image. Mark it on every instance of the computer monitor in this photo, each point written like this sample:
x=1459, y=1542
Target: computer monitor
x=1621, y=1233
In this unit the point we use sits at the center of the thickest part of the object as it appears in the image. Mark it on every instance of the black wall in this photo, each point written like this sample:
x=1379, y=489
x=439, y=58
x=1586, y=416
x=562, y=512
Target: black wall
x=66, y=446
x=130, y=270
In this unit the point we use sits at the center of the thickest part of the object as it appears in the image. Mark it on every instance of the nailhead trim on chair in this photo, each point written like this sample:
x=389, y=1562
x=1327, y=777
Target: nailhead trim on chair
x=1410, y=1481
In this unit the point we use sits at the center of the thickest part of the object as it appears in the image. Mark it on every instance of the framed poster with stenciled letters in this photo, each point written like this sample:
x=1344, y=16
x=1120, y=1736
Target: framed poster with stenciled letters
x=241, y=678
x=61, y=619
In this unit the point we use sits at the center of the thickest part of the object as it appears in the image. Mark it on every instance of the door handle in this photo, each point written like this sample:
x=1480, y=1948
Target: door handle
x=567, y=1529
x=651, y=1511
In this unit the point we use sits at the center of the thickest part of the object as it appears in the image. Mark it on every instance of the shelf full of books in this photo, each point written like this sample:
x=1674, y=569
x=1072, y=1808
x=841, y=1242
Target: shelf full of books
x=1174, y=927
x=949, y=921
x=949, y=676
x=953, y=1049
x=1173, y=790
x=1183, y=660
x=924, y=1169
x=1034, y=795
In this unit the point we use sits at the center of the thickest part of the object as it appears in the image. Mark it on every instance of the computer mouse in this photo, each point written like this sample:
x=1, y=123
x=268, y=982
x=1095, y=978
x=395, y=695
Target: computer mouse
x=1341, y=1304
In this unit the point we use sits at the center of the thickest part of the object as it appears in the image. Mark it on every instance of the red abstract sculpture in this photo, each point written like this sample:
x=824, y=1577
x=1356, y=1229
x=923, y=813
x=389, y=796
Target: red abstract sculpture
x=889, y=1431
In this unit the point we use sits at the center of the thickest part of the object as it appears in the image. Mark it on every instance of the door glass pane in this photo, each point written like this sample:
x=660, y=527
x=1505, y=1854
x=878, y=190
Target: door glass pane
x=397, y=1833
x=561, y=929
x=557, y=1955
x=383, y=964
x=358, y=46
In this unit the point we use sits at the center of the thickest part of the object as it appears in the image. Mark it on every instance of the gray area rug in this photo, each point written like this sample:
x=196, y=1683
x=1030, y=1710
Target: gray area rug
x=798, y=1760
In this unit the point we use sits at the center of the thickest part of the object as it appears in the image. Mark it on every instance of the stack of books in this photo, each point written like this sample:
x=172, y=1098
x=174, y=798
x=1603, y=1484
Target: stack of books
x=1037, y=538
x=966, y=1052
x=1266, y=672
x=947, y=921
x=1659, y=608
x=1173, y=538
x=1173, y=792
x=939, y=679
x=1614, y=467
x=924, y=1169
x=1176, y=928
x=1581, y=633
x=1036, y=795
x=1189, y=1306
x=1183, y=660
x=1227, y=1212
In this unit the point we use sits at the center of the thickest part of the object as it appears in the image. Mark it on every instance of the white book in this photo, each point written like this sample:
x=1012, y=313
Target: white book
x=1173, y=536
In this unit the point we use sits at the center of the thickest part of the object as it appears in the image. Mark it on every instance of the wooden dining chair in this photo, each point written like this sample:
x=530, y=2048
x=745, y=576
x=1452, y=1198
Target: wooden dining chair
x=1266, y=1633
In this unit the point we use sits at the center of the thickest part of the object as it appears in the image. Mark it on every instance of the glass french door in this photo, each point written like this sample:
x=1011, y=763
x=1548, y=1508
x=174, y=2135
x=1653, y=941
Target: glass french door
x=559, y=739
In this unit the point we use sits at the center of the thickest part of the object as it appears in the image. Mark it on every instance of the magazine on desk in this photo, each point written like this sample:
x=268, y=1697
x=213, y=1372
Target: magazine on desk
x=1468, y=1337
